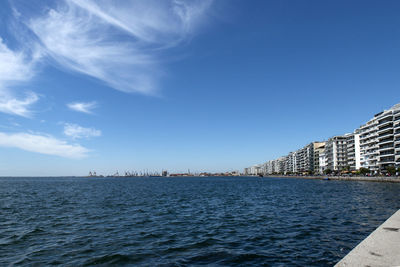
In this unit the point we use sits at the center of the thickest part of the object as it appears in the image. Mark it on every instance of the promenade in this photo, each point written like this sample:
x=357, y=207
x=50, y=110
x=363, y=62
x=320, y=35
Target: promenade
x=394, y=179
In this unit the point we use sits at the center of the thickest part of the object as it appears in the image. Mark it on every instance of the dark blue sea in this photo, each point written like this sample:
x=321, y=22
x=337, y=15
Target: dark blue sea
x=193, y=221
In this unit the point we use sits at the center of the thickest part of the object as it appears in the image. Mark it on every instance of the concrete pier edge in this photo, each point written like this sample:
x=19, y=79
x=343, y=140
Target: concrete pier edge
x=380, y=248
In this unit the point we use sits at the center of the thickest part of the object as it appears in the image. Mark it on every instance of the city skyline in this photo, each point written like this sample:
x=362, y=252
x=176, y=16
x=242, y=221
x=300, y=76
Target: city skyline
x=209, y=86
x=373, y=147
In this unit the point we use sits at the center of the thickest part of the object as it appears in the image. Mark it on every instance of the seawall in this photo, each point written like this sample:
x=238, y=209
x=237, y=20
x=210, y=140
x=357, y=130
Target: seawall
x=380, y=248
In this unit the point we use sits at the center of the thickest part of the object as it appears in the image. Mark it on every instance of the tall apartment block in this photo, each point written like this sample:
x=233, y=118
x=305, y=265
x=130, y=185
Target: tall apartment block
x=369, y=145
x=322, y=161
x=396, y=127
x=305, y=158
x=290, y=163
x=336, y=153
x=319, y=151
x=353, y=150
x=378, y=140
x=387, y=127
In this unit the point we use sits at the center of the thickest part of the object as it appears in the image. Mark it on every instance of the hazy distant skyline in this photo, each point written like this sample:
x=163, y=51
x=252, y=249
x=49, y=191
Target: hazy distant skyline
x=177, y=85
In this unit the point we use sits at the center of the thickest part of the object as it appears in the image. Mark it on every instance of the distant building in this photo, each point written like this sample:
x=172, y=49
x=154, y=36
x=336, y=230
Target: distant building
x=322, y=162
x=290, y=163
x=319, y=151
x=305, y=159
x=369, y=145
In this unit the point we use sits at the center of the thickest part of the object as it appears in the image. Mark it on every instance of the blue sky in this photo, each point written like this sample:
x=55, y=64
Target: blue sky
x=177, y=85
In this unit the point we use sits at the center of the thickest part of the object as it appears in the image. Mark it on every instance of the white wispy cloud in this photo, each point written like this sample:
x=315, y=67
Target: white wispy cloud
x=16, y=68
x=85, y=107
x=76, y=131
x=118, y=42
x=12, y=105
x=43, y=144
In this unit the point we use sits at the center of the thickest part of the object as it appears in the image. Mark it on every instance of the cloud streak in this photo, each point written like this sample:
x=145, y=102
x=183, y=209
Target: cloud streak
x=117, y=42
x=42, y=144
x=75, y=131
x=85, y=107
x=16, y=68
x=14, y=106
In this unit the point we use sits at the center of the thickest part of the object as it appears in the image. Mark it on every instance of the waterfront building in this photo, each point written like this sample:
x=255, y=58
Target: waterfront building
x=279, y=166
x=305, y=159
x=369, y=145
x=387, y=123
x=322, y=162
x=319, y=149
x=291, y=166
x=290, y=163
x=396, y=126
x=336, y=153
x=353, y=150
x=269, y=167
x=375, y=146
x=256, y=169
x=379, y=141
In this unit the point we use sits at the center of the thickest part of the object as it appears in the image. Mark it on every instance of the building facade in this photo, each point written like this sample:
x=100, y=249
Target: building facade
x=336, y=153
x=319, y=150
x=375, y=145
x=353, y=151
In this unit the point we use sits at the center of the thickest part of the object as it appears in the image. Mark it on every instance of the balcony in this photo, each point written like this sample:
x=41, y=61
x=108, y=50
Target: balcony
x=385, y=134
x=369, y=142
x=385, y=123
x=382, y=129
x=386, y=159
x=385, y=117
x=386, y=146
x=387, y=153
x=386, y=140
x=368, y=135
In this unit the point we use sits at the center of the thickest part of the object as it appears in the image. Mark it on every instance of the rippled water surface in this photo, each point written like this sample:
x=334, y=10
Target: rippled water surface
x=187, y=221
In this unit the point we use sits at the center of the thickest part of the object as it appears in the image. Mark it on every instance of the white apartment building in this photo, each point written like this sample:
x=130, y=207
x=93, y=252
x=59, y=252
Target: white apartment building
x=322, y=162
x=269, y=167
x=369, y=145
x=396, y=127
x=319, y=150
x=353, y=150
x=290, y=163
x=336, y=153
x=388, y=132
x=279, y=165
x=379, y=140
x=305, y=158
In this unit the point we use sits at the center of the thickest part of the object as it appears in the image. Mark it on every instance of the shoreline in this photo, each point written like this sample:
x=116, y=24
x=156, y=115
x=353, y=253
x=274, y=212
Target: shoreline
x=340, y=178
